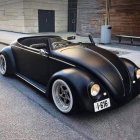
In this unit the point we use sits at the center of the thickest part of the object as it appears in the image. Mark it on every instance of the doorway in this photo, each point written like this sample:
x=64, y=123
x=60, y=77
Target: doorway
x=72, y=15
x=46, y=19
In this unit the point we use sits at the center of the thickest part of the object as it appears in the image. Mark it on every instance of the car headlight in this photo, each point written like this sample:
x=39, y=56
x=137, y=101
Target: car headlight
x=95, y=89
x=138, y=74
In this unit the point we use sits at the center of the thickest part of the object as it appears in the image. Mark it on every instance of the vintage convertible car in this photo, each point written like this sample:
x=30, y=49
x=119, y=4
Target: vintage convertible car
x=74, y=75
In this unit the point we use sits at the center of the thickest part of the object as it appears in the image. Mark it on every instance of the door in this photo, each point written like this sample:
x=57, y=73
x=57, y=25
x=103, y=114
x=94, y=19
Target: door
x=32, y=64
x=46, y=19
x=72, y=15
x=72, y=20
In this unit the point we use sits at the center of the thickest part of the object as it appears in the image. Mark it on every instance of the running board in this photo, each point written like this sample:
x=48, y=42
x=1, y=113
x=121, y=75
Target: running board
x=36, y=85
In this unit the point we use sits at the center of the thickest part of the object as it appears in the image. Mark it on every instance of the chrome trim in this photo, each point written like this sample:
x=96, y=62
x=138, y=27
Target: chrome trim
x=32, y=50
x=43, y=52
x=28, y=49
x=30, y=83
x=108, y=61
x=62, y=61
x=36, y=51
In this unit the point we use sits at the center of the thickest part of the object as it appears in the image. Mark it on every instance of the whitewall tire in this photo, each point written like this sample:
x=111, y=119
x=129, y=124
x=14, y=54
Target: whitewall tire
x=3, y=65
x=62, y=96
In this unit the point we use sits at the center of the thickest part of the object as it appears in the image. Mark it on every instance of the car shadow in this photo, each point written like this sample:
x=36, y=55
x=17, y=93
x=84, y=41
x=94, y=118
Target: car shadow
x=47, y=104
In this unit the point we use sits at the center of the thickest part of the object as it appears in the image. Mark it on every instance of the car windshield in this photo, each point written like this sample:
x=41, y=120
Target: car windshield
x=60, y=44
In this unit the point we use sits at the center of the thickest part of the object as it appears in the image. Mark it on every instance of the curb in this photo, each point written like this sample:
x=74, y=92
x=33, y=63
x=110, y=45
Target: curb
x=6, y=44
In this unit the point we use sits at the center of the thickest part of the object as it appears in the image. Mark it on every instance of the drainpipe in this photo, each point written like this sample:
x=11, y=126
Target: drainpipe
x=106, y=30
x=107, y=19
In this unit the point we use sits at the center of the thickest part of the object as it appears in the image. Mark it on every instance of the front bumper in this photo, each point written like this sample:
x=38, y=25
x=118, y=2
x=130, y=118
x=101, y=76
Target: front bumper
x=113, y=103
x=136, y=89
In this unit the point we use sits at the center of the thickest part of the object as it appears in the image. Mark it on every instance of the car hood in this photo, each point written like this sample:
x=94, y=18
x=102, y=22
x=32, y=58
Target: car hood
x=105, y=65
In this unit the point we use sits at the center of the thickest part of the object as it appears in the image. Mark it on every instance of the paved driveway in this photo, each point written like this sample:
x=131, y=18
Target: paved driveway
x=25, y=114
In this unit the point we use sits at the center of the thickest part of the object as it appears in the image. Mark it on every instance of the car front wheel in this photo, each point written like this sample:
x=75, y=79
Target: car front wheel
x=62, y=96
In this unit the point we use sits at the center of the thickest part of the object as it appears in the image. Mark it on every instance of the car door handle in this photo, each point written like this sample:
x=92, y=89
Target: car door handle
x=43, y=52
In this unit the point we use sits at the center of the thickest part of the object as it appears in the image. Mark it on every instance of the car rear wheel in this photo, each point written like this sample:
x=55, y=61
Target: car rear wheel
x=62, y=96
x=3, y=65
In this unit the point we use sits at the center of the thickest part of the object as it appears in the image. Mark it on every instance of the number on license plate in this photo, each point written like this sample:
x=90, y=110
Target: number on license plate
x=101, y=105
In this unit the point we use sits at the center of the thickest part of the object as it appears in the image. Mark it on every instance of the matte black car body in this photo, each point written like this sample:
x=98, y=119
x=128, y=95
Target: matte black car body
x=80, y=65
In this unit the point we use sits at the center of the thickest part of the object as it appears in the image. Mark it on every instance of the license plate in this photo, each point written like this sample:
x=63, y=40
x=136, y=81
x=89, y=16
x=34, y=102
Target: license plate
x=101, y=105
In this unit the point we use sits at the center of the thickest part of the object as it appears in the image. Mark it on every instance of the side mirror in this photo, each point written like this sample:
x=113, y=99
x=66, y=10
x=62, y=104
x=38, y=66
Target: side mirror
x=71, y=38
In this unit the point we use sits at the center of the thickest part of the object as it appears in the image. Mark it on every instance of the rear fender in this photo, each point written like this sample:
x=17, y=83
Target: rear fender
x=7, y=51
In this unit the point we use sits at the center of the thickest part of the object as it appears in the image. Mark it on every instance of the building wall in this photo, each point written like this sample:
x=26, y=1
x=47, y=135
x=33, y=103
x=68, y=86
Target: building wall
x=11, y=15
x=125, y=17
x=22, y=15
x=31, y=13
x=90, y=15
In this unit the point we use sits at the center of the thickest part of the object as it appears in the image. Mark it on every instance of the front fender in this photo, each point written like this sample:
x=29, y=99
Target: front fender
x=131, y=67
x=79, y=83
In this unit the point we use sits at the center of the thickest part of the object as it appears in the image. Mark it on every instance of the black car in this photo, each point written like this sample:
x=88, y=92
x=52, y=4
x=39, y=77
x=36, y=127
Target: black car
x=75, y=75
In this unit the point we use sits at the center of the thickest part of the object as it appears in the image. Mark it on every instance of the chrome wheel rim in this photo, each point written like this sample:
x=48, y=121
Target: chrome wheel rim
x=2, y=64
x=62, y=96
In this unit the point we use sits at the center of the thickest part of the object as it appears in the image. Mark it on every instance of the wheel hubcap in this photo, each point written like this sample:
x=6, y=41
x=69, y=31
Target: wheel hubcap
x=2, y=64
x=62, y=96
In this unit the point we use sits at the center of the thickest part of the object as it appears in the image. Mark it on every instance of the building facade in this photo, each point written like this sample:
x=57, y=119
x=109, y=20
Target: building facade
x=12, y=15
x=28, y=16
x=124, y=16
x=80, y=16
x=90, y=16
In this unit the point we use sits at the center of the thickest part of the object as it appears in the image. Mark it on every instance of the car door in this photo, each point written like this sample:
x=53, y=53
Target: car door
x=32, y=63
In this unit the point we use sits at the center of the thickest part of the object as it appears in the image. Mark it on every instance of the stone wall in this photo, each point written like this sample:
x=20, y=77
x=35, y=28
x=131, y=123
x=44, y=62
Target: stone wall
x=31, y=13
x=91, y=15
x=11, y=15
x=22, y=15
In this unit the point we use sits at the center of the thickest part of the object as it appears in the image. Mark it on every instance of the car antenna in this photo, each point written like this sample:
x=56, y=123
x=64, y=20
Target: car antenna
x=91, y=38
